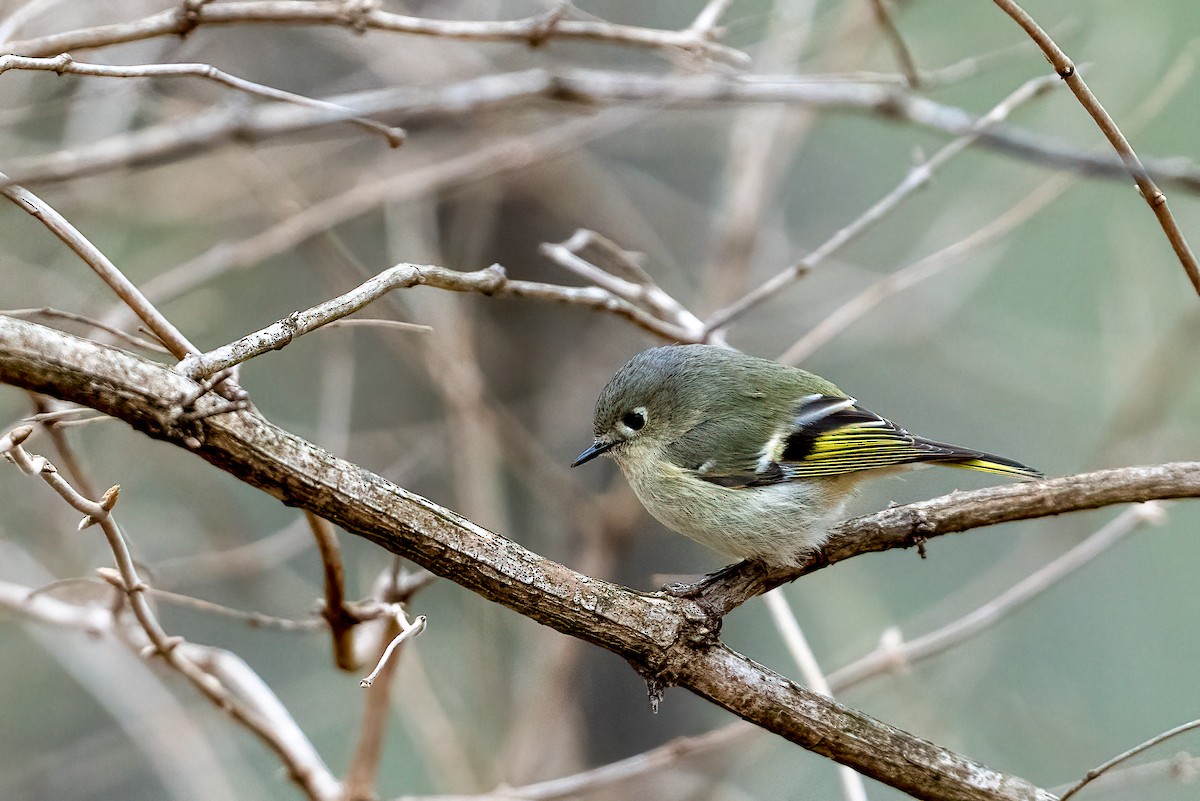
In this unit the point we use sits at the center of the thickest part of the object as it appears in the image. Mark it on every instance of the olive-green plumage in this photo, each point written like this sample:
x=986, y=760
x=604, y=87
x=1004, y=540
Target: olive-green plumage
x=748, y=456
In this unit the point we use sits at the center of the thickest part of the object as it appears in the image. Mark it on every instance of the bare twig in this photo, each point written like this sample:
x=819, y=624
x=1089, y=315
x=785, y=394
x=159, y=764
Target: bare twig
x=396, y=325
x=917, y=177
x=531, y=30
x=249, y=558
x=50, y=415
x=638, y=288
x=704, y=26
x=1153, y=196
x=175, y=341
x=489, y=281
x=925, y=268
x=1100, y=770
x=592, y=87
x=59, y=415
x=407, y=631
x=15, y=437
x=623, y=770
x=47, y=609
x=58, y=314
x=64, y=64
x=364, y=767
x=892, y=34
x=473, y=450
x=893, y=653
x=1129, y=782
x=955, y=72
x=922, y=269
x=802, y=654
x=136, y=695
x=393, y=587
x=337, y=614
x=497, y=157
x=280, y=733
x=253, y=619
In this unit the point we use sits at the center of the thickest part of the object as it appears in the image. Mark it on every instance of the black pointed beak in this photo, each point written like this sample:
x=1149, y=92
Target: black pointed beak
x=592, y=452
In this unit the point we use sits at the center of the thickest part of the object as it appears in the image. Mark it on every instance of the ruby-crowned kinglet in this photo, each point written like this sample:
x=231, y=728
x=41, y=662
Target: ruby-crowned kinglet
x=750, y=457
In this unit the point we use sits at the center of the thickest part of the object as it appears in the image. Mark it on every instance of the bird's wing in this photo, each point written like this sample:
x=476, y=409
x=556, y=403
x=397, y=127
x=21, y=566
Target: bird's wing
x=828, y=436
x=831, y=435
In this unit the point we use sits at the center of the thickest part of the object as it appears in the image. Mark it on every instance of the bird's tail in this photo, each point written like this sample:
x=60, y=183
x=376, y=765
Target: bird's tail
x=989, y=463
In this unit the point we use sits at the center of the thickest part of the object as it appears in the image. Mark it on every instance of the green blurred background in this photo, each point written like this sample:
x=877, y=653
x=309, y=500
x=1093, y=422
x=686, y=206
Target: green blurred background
x=1068, y=343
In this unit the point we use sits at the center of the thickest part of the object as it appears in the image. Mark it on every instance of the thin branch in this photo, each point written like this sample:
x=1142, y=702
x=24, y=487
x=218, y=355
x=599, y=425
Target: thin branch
x=888, y=103
x=916, y=178
x=253, y=619
x=158, y=143
x=1181, y=768
x=704, y=26
x=64, y=64
x=892, y=34
x=250, y=558
x=1100, y=770
x=489, y=281
x=60, y=415
x=473, y=454
x=58, y=225
x=395, y=325
x=634, y=285
x=407, y=631
x=337, y=614
x=1042, y=195
x=1153, y=196
x=533, y=30
x=279, y=733
x=47, y=609
x=50, y=415
x=810, y=670
x=845, y=315
x=361, y=776
x=497, y=157
x=646, y=763
x=58, y=314
x=136, y=694
x=392, y=587
x=894, y=653
x=956, y=72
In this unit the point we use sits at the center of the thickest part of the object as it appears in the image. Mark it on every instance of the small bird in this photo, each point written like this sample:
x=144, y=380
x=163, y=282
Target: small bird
x=752, y=458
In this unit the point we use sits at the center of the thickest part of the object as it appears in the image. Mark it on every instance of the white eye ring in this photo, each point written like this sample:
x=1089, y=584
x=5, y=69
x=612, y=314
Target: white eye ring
x=633, y=421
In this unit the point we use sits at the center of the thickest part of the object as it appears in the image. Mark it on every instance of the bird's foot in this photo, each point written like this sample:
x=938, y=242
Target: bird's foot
x=723, y=590
x=705, y=584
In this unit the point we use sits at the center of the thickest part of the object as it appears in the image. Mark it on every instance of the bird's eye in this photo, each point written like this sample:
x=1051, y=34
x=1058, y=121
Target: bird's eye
x=634, y=420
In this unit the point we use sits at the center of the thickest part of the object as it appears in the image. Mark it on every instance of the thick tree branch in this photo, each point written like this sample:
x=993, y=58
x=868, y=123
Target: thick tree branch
x=668, y=640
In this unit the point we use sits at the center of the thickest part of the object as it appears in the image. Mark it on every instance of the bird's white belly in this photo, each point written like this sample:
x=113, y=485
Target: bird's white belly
x=776, y=523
